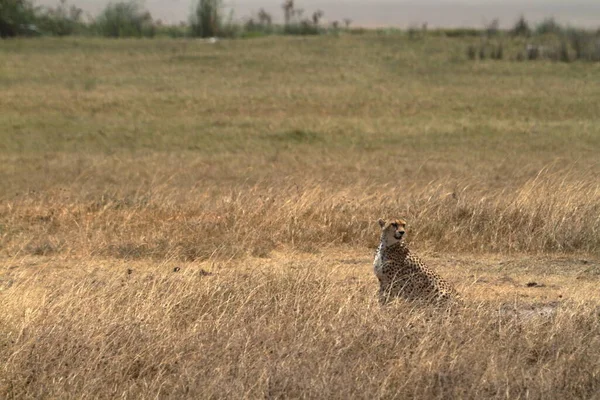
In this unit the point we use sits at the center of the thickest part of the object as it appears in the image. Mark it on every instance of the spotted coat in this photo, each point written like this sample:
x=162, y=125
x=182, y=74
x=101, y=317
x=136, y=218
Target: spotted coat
x=402, y=274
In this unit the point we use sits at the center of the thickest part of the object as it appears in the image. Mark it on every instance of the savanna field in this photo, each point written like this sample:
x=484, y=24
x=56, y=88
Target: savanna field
x=181, y=219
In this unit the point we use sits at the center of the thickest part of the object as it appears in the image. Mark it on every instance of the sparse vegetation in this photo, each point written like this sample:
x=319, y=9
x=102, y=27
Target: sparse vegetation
x=551, y=42
x=124, y=19
x=185, y=220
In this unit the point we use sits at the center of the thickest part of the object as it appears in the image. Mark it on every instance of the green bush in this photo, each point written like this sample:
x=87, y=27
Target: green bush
x=172, y=31
x=456, y=32
x=17, y=17
x=124, y=19
x=584, y=43
x=294, y=24
x=493, y=28
x=61, y=20
x=521, y=28
x=304, y=27
x=549, y=26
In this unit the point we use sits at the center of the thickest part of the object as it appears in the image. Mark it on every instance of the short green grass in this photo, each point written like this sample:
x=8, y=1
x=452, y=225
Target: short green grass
x=353, y=91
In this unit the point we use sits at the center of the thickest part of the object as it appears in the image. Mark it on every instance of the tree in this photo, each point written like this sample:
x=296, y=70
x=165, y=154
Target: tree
x=549, y=26
x=264, y=18
x=316, y=17
x=493, y=28
x=61, y=20
x=521, y=27
x=206, y=22
x=16, y=17
x=288, y=11
x=124, y=19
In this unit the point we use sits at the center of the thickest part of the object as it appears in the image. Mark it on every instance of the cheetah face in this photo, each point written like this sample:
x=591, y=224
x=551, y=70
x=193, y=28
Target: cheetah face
x=392, y=231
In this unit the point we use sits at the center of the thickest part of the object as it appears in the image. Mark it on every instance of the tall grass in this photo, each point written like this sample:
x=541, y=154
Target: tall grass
x=289, y=328
x=546, y=214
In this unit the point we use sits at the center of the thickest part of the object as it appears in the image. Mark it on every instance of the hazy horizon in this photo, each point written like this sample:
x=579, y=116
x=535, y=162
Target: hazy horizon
x=436, y=13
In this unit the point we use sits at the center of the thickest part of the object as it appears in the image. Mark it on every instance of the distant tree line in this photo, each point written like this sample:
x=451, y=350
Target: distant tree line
x=128, y=18
x=548, y=40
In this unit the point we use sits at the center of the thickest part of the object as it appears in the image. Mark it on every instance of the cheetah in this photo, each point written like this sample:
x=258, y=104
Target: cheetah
x=402, y=274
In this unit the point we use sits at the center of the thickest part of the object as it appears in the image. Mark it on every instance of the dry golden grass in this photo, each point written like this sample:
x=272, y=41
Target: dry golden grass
x=293, y=325
x=551, y=212
x=193, y=221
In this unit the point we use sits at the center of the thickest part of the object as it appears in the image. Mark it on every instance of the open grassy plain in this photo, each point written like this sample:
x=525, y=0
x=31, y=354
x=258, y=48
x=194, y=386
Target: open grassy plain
x=192, y=220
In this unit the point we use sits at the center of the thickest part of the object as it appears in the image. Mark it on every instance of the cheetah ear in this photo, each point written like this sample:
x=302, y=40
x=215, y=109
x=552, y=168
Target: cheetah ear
x=381, y=222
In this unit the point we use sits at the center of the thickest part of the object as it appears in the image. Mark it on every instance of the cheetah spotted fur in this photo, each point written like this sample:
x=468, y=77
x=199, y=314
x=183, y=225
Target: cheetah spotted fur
x=401, y=274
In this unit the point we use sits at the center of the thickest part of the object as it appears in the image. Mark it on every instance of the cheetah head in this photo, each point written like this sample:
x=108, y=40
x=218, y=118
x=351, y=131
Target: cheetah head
x=393, y=231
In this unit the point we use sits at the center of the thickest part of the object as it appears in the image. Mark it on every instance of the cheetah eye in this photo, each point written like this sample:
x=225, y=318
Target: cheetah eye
x=395, y=225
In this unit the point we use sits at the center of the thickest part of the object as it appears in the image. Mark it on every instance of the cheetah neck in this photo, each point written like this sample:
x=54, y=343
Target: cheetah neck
x=397, y=246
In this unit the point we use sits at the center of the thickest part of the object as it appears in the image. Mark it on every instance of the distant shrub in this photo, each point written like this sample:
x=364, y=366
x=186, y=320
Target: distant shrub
x=288, y=11
x=532, y=52
x=230, y=28
x=62, y=20
x=316, y=17
x=564, y=52
x=124, y=19
x=549, y=26
x=596, y=51
x=497, y=52
x=172, y=31
x=414, y=33
x=304, y=27
x=252, y=34
x=456, y=32
x=493, y=28
x=260, y=25
x=482, y=52
x=585, y=44
x=485, y=50
x=296, y=25
x=206, y=20
x=472, y=52
x=17, y=17
x=358, y=31
x=520, y=56
x=521, y=28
